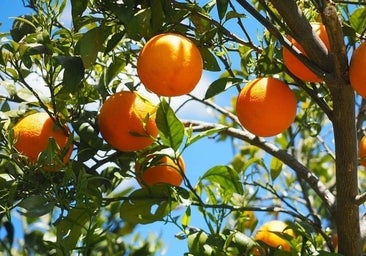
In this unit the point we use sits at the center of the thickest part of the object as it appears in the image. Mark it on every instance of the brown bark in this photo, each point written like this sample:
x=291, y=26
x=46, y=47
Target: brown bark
x=343, y=118
x=345, y=136
x=301, y=30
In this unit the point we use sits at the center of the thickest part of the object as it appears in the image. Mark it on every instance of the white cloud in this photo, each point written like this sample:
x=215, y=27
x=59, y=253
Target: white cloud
x=193, y=109
x=184, y=105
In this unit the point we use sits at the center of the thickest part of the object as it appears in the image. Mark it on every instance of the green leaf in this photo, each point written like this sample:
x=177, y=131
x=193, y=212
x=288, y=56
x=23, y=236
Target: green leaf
x=358, y=19
x=90, y=44
x=204, y=134
x=241, y=241
x=36, y=206
x=222, y=7
x=186, y=218
x=73, y=73
x=171, y=130
x=118, y=64
x=233, y=14
x=22, y=26
x=70, y=228
x=220, y=85
x=157, y=15
x=147, y=205
x=77, y=9
x=113, y=41
x=197, y=243
x=245, y=53
x=276, y=168
x=226, y=177
x=209, y=61
x=140, y=25
x=34, y=243
x=88, y=135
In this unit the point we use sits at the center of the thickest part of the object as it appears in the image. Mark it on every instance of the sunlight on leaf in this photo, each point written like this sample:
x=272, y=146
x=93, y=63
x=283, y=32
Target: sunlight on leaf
x=147, y=205
x=171, y=129
x=226, y=177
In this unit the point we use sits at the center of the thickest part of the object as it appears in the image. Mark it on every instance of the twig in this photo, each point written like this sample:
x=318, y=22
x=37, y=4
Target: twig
x=326, y=196
x=302, y=32
x=360, y=199
x=225, y=31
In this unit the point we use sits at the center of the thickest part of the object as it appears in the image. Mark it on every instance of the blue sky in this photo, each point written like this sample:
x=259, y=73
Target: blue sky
x=198, y=158
x=10, y=8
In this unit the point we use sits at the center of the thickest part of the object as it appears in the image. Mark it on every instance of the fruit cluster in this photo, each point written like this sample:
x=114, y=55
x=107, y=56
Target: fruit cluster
x=168, y=65
x=171, y=65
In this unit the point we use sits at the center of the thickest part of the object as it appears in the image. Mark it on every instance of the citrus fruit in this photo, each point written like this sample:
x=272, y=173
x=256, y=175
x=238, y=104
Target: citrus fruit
x=266, y=106
x=268, y=233
x=357, y=74
x=170, y=65
x=160, y=169
x=33, y=132
x=362, y=151
x=295, y=65
x=127, y=121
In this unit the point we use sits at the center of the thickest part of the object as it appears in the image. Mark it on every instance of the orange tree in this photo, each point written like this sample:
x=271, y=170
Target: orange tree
x=308, y=174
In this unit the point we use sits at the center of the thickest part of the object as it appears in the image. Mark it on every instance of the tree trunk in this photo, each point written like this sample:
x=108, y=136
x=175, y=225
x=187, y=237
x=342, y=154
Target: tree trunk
x=334, y=67
x=345, y=137
x=347, y=216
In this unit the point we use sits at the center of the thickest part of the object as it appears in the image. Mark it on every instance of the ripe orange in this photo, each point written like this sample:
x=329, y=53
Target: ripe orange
x=362, y=151
x=266, y=106
x=295, y=65
x=170, y=65
x=357, y=74
x=32, y=133
x=164, y=170
x=127, y=121
x=266, y=234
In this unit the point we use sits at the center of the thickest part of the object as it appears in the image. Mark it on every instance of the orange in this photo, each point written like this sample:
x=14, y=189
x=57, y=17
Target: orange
x=295, y=65
x=170, y=65
x=266, y=106
x=160, y=169
x=357, y=74
x=127, y=121
x=267, y=234
x=362, y=151
x=32, y=133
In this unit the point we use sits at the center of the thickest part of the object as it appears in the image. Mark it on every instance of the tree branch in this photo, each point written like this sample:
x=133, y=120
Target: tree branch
x=360, y=199
x=302, y=32
x=326, y=196
x=225, y=31
x=294, y=20
x=338, y=51
x=343, y=97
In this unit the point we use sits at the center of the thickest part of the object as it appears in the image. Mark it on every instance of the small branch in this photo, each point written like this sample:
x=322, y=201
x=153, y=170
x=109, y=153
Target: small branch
x=313, y=93
x=338, y=49
x=360, y=119
x=318, y=60
x=302, y=32
x=225, y=31
x=360, y=199
x=326, y=196
x=217, y=108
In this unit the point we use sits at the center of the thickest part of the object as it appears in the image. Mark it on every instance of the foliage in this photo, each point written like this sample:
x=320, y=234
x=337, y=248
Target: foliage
x=86, y=209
